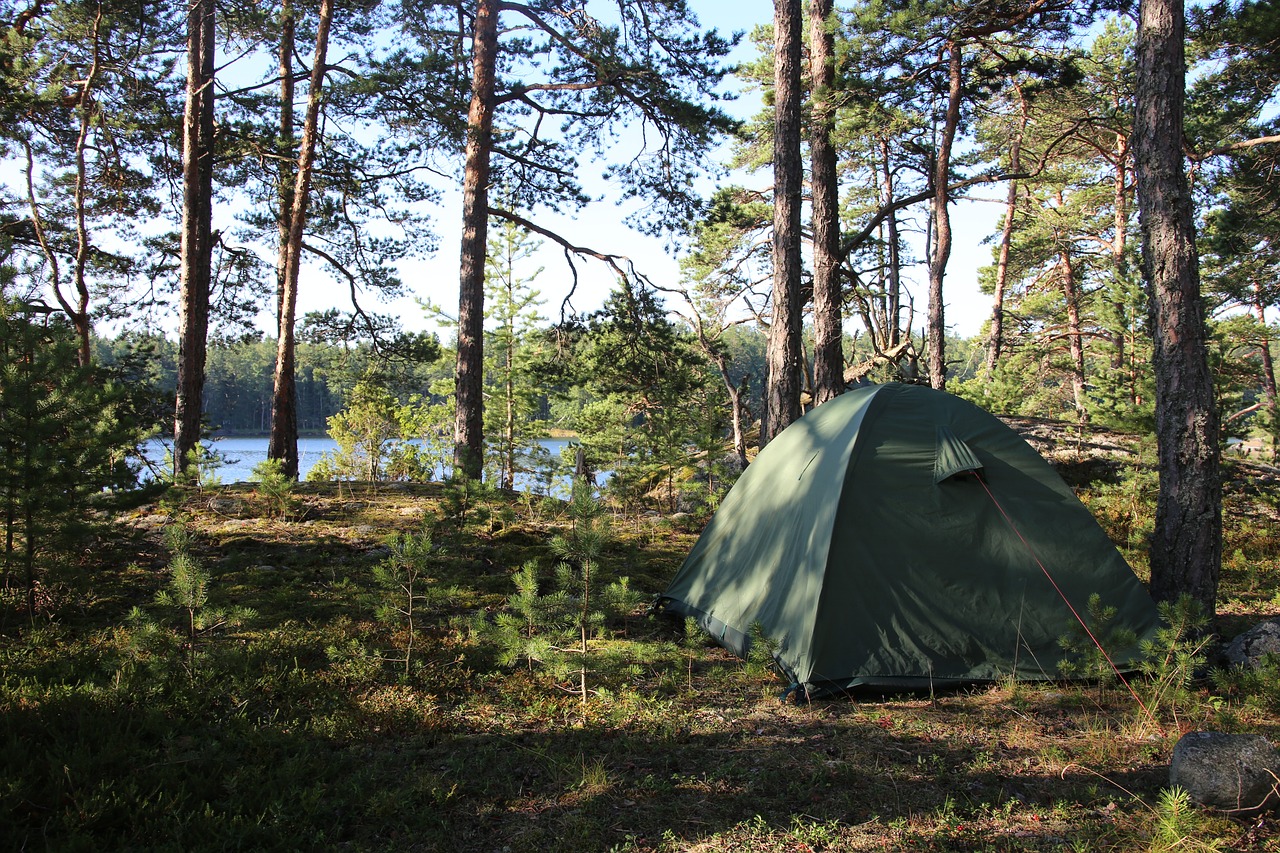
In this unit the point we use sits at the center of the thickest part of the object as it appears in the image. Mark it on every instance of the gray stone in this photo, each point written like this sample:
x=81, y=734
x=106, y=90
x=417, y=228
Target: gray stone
x=1253, y=645
x=225, y=506
x=731, y=465
x=1224, y=771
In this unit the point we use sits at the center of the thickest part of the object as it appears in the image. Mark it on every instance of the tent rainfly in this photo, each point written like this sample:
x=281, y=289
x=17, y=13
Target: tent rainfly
x=899, y=537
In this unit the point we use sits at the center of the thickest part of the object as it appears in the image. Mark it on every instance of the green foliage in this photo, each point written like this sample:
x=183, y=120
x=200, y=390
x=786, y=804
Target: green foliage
x=201, y=470
x=693, y=641
x=533, y=625
x=760, y=650
x=274, y=487
x=1255, y=686
x=1091, y=654
x=1178, y=825
x=652, y=397
x=465, y=500
x=1126, y=508
x=510, y=353
x=555, y=629
x=380, y=438
x=65, y=442
x=187, y=592
x=1172, y=657
x=618, y=597
x=408, y=592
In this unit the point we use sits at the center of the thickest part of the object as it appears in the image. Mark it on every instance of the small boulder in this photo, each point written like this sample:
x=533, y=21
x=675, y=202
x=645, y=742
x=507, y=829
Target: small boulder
x=731, y=465
x=225, y=506
x=1253, y=645
x=1224, y=771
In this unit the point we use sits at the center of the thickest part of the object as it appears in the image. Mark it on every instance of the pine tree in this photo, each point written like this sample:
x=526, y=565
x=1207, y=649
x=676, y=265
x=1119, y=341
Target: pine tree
x=64, y=442
x=513, y=314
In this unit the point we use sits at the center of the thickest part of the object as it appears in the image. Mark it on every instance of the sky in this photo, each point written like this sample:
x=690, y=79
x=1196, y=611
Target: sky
x=600, y=226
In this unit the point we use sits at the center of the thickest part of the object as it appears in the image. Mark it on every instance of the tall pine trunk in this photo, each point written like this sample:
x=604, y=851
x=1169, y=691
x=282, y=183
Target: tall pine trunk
x=468, y=431
x=1075, y=336
x=828, y=330
x=283, y=444
x=1186, y=545
x=197, y=232
x=995, y=337
x=1119, y=257
x=782, y=383
x=937, y=363
x=893, y=298
x=1269, y=396
x=79, y=315
x=287, y=158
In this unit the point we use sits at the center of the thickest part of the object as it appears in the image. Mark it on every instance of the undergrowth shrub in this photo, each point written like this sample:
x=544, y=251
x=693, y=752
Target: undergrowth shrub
x=187, y=593
x=1089, y=654
x=555, y=628
x=408, y=593
x=274, y=487
x=1171, y=659
x=1126, y=508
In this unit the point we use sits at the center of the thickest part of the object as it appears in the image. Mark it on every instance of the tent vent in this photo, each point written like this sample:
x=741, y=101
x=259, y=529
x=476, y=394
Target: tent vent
x=952, y=456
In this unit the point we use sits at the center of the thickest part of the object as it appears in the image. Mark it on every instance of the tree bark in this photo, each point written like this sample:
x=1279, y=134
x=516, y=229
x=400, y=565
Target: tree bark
x=1119, y=260
x=284, y=148
x=893, y=313
x=937, y=364
x=197, y=232
x=1075, y=339
x=1186, y=545
x=468, y=453
x=1269, y=395
x=283, y=444
x=828, y=330
x=995, y=338
x=782, y=384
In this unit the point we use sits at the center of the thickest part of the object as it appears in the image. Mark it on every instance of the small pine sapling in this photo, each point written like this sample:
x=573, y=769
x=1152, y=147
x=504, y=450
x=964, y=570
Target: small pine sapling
x=408, y=591
x=621, y=600
x=1086, y=656
x=534, y=625
x=274, y=487
x=465, y=500
x=580, y=551
x=1171, y=658
x=693, y=641
x=188, y=592
x=760, y=651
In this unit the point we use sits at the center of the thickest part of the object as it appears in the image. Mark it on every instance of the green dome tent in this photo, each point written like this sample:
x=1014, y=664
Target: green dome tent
x=901, y=537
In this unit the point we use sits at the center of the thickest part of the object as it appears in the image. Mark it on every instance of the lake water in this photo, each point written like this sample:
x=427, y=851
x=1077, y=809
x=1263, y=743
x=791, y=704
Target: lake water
x=241, y=455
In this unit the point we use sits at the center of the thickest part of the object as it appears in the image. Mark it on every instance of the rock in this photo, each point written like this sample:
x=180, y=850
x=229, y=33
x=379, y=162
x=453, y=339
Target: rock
x=225, y=506
x=731, y=465
x=1253, y=645
x=1230, y=772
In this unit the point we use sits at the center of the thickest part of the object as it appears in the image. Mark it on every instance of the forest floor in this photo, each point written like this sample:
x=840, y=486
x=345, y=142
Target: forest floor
x=303, y=726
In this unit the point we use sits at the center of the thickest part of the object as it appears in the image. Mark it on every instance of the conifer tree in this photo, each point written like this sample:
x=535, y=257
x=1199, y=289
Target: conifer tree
x=513, y=313
x=63, y=442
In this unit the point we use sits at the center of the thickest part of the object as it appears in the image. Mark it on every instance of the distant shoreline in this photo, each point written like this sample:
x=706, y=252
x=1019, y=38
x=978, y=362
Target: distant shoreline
x=554, y=432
